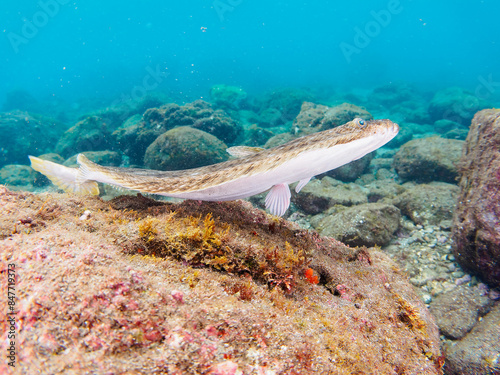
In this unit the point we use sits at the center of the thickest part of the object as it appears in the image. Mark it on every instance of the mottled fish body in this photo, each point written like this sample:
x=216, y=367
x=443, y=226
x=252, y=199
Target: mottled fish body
x=257, y=170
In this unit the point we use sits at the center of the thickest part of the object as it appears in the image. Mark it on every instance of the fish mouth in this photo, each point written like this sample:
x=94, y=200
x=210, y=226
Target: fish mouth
x=394, y=128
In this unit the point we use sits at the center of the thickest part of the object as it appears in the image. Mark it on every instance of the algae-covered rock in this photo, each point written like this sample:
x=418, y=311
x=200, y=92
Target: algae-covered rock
x=394, y=94
x=26, y=134
x=228, y=97
x=476, y=226
x=220, y=125
x=429, y=159
x=428, y=203
x=455, y=104
x=316, y=117
x=287, y=101
x=153, y=287
x=319, y=195
x=184, y=148
x=198, y=114
x=476, y=353
x=17, y=176
x=458, y=310
x=350, y=172
x=367, y=224
x=90, y=134
x=130, y=141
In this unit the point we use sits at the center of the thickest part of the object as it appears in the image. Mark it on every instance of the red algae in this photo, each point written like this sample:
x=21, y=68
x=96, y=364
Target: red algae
x=214, y=288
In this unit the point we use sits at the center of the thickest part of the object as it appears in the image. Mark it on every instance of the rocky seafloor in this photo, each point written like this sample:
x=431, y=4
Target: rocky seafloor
x=131, y=284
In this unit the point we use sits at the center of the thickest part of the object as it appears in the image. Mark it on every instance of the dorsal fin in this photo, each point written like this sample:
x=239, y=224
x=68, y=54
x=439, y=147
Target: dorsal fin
x=242, y=151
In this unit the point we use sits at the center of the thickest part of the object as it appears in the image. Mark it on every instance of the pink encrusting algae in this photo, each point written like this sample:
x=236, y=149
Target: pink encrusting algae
x=211, y=288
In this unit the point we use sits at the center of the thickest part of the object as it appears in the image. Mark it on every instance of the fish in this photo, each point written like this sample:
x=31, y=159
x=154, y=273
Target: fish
x=255, y=170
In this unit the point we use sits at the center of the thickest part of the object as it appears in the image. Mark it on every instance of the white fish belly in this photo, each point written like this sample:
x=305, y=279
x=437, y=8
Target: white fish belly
x=305, y=165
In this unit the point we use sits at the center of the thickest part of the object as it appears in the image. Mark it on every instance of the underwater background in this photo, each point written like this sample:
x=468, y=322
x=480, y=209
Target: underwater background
x=390, y=264
x=74, y=50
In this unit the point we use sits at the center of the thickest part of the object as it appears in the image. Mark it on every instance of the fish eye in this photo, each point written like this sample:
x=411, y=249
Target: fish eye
x=360, y=122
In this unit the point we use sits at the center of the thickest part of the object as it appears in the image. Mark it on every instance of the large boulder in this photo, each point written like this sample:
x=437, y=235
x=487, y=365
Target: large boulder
x=367, y=224
x=17, y=177
x=286, y=101
x=136, y=286
x=227, y=97
x=458, y=310
x=455, y=104
x=428, y=159
x=476, y=353
x=136, y=134
x=316, y=117
x=89, y=134
x=476, y=228
x=319, y=195
x=184, y=148
x=428, y=203
x=394, y=94
x=351, y=171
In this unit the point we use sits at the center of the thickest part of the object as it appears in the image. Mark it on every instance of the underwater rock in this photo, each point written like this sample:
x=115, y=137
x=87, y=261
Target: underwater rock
x=148, y=286
x=429, y=159
x=198, y=114
x=442, y=126
x=476, y=227
x=428, y=203
x=458, y=310
x=477, y=352
x=287, y=101
x=17, y=177
x=319, y=195
x=227, y=97
x=122, y=109
x=89, y=134
x=221, y=126
x=20, y=100
x=279, y=139
x=366, y=224
x=270, y=117
x=383, y=188
x=394, y=94
x=460, y=134
x=316, y=117
x=184, y=147
x=135, y=136
x=257, y=136
x=26, y=134
x=411, y=111
x=351, y=171
x=455, y=104
x=127, y=139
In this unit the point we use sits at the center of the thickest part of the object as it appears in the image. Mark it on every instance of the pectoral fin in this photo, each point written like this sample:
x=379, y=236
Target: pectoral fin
x=278, y=199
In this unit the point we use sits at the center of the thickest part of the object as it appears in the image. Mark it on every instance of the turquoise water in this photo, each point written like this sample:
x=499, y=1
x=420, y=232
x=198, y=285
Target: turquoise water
x=69, y=50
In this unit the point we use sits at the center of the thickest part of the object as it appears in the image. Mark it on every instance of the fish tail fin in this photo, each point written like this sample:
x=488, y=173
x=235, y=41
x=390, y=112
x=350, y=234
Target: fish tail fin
x=68, y=179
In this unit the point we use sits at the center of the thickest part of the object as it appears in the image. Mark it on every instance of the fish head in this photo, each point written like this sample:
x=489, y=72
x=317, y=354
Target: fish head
x=364, y=128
